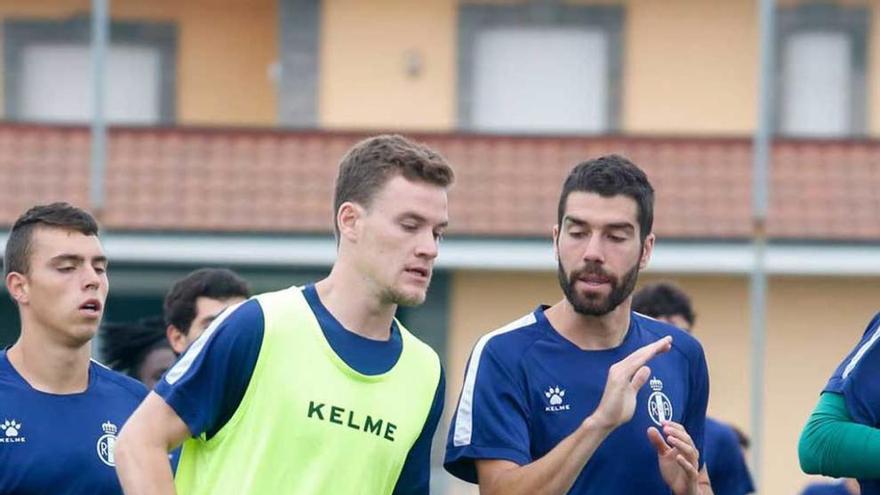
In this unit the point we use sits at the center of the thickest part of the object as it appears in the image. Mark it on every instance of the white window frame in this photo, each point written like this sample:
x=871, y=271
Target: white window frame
x=854, y=22
x=474, y=18
x=18, y=34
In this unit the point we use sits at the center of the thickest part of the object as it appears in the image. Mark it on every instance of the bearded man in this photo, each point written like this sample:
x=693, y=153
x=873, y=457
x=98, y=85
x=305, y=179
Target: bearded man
x=556, y=401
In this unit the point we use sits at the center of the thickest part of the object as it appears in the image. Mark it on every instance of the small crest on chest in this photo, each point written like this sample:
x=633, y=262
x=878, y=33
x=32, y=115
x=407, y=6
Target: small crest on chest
x=659, y=405
x=107, y=444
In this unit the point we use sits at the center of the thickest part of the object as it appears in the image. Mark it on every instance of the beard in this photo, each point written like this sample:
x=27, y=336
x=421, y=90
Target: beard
x=406, y=300
x=596, y=304
x=401, y=298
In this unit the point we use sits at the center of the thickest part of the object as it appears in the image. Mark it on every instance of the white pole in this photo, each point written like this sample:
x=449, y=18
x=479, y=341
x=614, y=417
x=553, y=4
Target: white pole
x=760, y=192
x=100, y=28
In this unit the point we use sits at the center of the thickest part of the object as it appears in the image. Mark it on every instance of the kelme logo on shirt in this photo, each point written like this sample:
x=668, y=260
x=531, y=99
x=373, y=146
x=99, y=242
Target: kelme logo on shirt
x=659, y=405
x=11, y=432
x=107, y=443
x=555, y=398
x=365, y=423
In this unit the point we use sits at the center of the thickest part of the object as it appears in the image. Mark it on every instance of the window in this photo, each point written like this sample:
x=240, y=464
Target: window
x=298, y=86
x=539, y=68
x=822, y=71
x=48, y=72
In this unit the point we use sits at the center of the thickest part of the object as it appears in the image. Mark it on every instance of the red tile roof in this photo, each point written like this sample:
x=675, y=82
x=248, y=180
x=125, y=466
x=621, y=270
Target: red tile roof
x=175, y=179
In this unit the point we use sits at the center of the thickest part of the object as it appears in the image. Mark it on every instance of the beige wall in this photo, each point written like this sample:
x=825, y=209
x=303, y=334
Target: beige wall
x=364, y=81
x=812, y=324
x=690, y=67
x=225, y=49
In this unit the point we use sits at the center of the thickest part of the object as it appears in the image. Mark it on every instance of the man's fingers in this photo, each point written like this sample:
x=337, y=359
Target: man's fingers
x=677, y=429
x=644, y=354
x=640, y=378
x=657, y=441
x=672, y=425
x=678, y=436
x=687, y=450
x=688, y=467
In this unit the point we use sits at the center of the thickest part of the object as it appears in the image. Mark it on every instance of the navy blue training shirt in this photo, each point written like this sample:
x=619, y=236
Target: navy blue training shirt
x=53, y=444
x=527, y=387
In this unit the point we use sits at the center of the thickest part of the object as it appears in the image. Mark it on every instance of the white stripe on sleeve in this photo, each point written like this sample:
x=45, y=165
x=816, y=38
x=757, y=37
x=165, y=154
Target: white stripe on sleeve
x=464, y=414
x=186, y=361
x=861, y=352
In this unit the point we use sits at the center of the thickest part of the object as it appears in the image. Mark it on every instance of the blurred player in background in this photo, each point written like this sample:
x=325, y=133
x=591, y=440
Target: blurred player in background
x=194, y=301
x=555, y=402
x=315, y=390
x=138, y=349
x=846, y=486
x=728, y=471
x=60, y=410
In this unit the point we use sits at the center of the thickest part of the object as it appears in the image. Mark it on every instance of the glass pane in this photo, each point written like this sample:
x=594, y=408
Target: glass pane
x=541, y=79
x=818, y=77
x=56, y=84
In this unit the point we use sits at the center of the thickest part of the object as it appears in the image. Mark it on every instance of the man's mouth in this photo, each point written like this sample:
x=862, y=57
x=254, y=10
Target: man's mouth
x=91, y=307
x=593, y=279
x=418, y=271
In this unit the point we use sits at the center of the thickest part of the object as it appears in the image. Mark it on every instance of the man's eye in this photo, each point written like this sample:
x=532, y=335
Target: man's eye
x=409, y=227
x=66, y=268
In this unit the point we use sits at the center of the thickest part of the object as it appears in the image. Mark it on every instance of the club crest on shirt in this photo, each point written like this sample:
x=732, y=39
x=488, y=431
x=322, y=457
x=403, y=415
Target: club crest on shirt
x=556, y=398
x=11, y=432
x=107, y=443
x=659, y=405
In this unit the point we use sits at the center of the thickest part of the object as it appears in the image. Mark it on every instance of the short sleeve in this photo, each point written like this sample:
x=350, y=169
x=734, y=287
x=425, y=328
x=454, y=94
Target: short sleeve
x=856, y=377
x=491, y=420
x=698, y=399
x=207, y=384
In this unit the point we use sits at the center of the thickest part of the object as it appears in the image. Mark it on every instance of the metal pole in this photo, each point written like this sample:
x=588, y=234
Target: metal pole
x=100, y=28
x=760, y=193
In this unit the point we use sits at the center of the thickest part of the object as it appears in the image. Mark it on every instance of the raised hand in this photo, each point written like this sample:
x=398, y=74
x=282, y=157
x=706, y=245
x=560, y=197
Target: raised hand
x=678, y=458
x=625, y=378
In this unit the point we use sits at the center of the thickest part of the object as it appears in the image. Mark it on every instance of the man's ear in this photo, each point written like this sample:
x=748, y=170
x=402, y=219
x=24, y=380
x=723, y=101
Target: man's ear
x=17, y=285
x=177, y=339
x=556, y=241
x=647, y=250
x=347, y=219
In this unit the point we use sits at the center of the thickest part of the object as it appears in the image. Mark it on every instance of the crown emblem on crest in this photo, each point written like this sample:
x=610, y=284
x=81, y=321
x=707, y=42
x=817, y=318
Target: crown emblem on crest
x=109, y=428
x=656, y=384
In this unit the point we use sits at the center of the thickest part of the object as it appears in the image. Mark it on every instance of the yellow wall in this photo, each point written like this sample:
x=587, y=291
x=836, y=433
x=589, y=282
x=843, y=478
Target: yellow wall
x=364, y=47
x=690, y=66
x=225, y=49
x=813, y=323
